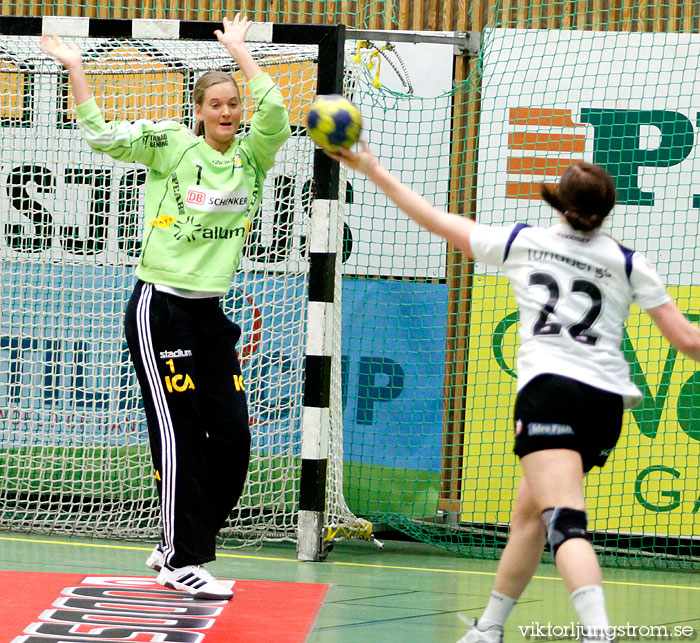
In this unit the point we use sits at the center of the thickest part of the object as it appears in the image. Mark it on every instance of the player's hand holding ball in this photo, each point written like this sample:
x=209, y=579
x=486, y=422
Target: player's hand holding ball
x=334, y=123
x=363, y=161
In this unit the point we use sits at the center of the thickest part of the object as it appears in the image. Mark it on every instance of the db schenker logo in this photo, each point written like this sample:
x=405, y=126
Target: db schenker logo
x=195, y=197
x=216, y=200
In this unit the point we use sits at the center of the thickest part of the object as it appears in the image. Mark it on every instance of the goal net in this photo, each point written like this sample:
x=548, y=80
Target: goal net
x=429, y=430
x=74, y=455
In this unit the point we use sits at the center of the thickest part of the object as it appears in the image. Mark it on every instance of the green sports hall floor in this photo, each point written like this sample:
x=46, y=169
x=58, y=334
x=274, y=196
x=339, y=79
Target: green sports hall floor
x=407, y=593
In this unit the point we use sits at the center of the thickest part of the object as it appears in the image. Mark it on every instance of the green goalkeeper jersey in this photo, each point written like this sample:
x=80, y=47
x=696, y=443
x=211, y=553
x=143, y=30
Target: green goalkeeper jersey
x=199, y=203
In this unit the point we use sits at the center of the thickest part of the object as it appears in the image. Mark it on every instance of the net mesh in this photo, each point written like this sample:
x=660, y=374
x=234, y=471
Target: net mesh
x=428, y=444
x=74, y=453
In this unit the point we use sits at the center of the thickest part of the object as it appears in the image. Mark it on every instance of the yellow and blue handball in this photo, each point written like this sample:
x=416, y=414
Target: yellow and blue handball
x=333, y=122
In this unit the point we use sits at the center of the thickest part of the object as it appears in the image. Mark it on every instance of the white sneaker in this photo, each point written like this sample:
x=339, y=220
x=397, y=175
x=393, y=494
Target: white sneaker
x=156, y=560
x=493, y=634
x=194, y=580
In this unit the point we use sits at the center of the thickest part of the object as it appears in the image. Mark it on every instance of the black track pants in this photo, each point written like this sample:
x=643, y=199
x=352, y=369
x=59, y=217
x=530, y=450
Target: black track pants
x=193, y=394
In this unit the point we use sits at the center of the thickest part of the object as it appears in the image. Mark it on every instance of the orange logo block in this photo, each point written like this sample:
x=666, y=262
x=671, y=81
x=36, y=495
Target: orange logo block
x=555, y=143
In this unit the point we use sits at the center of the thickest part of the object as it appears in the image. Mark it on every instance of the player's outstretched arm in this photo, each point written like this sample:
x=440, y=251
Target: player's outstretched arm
x=677, y=329
x=456, y=229
x=70, y=57
x=233, y=38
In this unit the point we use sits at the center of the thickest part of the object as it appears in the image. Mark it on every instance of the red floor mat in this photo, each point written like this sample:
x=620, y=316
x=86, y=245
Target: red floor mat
x=74, y=608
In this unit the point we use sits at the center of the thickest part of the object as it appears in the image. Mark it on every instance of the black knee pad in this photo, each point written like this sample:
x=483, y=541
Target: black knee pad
x=562, y=524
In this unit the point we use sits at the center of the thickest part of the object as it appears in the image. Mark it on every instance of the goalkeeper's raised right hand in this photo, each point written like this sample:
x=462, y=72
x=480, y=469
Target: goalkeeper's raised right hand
x=72, y=59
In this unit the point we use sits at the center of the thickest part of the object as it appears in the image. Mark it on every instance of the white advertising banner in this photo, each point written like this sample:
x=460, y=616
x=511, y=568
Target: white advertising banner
x=626, y=101
x=411, y=136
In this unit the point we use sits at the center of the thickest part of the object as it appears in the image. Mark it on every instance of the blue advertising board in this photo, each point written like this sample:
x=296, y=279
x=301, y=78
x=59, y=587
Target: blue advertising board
x=66, y=378
x=393, y=346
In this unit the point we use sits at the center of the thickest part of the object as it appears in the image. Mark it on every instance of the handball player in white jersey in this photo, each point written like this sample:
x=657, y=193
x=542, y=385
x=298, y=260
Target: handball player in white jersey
x=574, y=285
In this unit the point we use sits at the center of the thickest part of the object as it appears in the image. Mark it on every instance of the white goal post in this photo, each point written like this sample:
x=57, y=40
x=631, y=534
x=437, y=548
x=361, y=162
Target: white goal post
x=74, y=455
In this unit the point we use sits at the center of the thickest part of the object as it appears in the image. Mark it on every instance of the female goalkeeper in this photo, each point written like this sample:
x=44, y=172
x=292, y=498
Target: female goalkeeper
x=574, y=285
x=202, y=192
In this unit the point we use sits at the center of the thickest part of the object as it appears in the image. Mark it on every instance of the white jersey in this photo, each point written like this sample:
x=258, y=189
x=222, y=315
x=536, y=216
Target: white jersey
x=574, y=291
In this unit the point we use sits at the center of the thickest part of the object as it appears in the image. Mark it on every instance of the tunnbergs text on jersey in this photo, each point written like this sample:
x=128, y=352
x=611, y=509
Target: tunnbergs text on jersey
x=545, y=255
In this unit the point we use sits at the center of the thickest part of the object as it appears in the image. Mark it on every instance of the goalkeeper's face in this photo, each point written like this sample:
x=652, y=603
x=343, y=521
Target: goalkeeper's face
x=220, y=113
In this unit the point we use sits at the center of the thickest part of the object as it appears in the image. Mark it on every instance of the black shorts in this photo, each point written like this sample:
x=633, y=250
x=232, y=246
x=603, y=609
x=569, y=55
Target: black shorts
x=556, y=412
